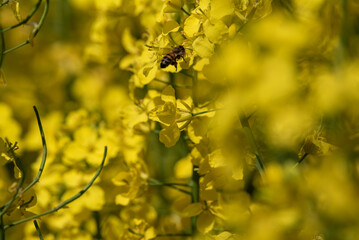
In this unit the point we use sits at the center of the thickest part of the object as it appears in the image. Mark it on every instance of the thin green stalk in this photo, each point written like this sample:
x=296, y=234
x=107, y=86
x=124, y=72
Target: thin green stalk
x=2, y=50
x=173, y=235
x=155, y=182
x=194, y=88
x=204, y=112
x=41, y=22
x=44, y=152
x=172, y=84
x=4, y=3
x=34, y=10
x=19, y=165
x=38, y=230
x=301, y=159
x=195, y=196
x=184, y=10
x=248, y=131
x=186, y=74
x=248, y=18
x=97, y=217
x=66, y=202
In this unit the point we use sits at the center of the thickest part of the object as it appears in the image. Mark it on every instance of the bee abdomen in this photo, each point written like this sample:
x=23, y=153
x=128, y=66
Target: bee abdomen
x=166, y=60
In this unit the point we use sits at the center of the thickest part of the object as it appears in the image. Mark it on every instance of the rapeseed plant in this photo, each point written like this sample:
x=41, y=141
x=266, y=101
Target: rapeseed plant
x=252, y=135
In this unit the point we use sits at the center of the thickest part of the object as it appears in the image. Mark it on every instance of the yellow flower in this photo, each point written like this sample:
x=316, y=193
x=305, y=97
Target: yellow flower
x=173, y=114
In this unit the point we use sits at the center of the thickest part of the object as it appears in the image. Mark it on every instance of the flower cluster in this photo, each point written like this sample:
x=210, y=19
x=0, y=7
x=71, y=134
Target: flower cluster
x=249, y=133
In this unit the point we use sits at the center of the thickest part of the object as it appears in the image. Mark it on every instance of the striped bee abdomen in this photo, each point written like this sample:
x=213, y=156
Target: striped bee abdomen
x=166, y=60
x=172, y=57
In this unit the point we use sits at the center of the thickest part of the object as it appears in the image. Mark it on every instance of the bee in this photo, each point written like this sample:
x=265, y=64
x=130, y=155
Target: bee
x=172, y=57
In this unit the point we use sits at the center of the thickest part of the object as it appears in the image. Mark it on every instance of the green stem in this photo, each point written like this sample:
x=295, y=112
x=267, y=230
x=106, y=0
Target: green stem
x=4, y=3
x=34, y=10
x=155, y=182
x=41, y=22
x=172, y=84
x=195, y=88
x=184, y=10
x=38, y=230
x=173, y=235
x=250, y=15
x=186, y=74
x=66, y=202
x=2, y=38
x=204, y=112
x=44, y=152
x=97, y=217
x=195, y=196
x=301, y=159
x=248, y=131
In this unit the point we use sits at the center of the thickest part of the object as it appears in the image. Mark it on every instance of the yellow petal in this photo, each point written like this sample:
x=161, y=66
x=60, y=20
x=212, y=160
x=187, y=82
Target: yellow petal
x=147, y=73
x=150, y=233
x=200, y=64
x=205, y=222
x=192, y=210
x=173, y=6
x=223, y=236
x=221, y=8
x=128, y=41
x=168, y=95
x=204, y=4
x=203, y=47
x=215, y=30
x=216, y=159
x=198, y=128
x=170, y=135
x=170, y=26
x=191, y=26
x=183, y=168
x=15, y=6
x=121, y=200
x=95, y=198
x=166, y=114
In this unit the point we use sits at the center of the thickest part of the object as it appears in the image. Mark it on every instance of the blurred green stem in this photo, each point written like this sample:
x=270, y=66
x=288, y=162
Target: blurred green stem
x=195, y=196
x=195, y=88
x=2, y=49
x=248, y=131
x=4, y=3
x=38, y=230
x=155, y=182
x=41, y=22
x=66, y=202
x=184, y=10
x=44, y=152
x=34, y=10
x=172, y=84
x=301, y=160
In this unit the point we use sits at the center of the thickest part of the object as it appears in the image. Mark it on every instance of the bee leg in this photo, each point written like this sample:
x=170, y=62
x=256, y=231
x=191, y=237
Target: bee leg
x=184, y=59
x=175, y=63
